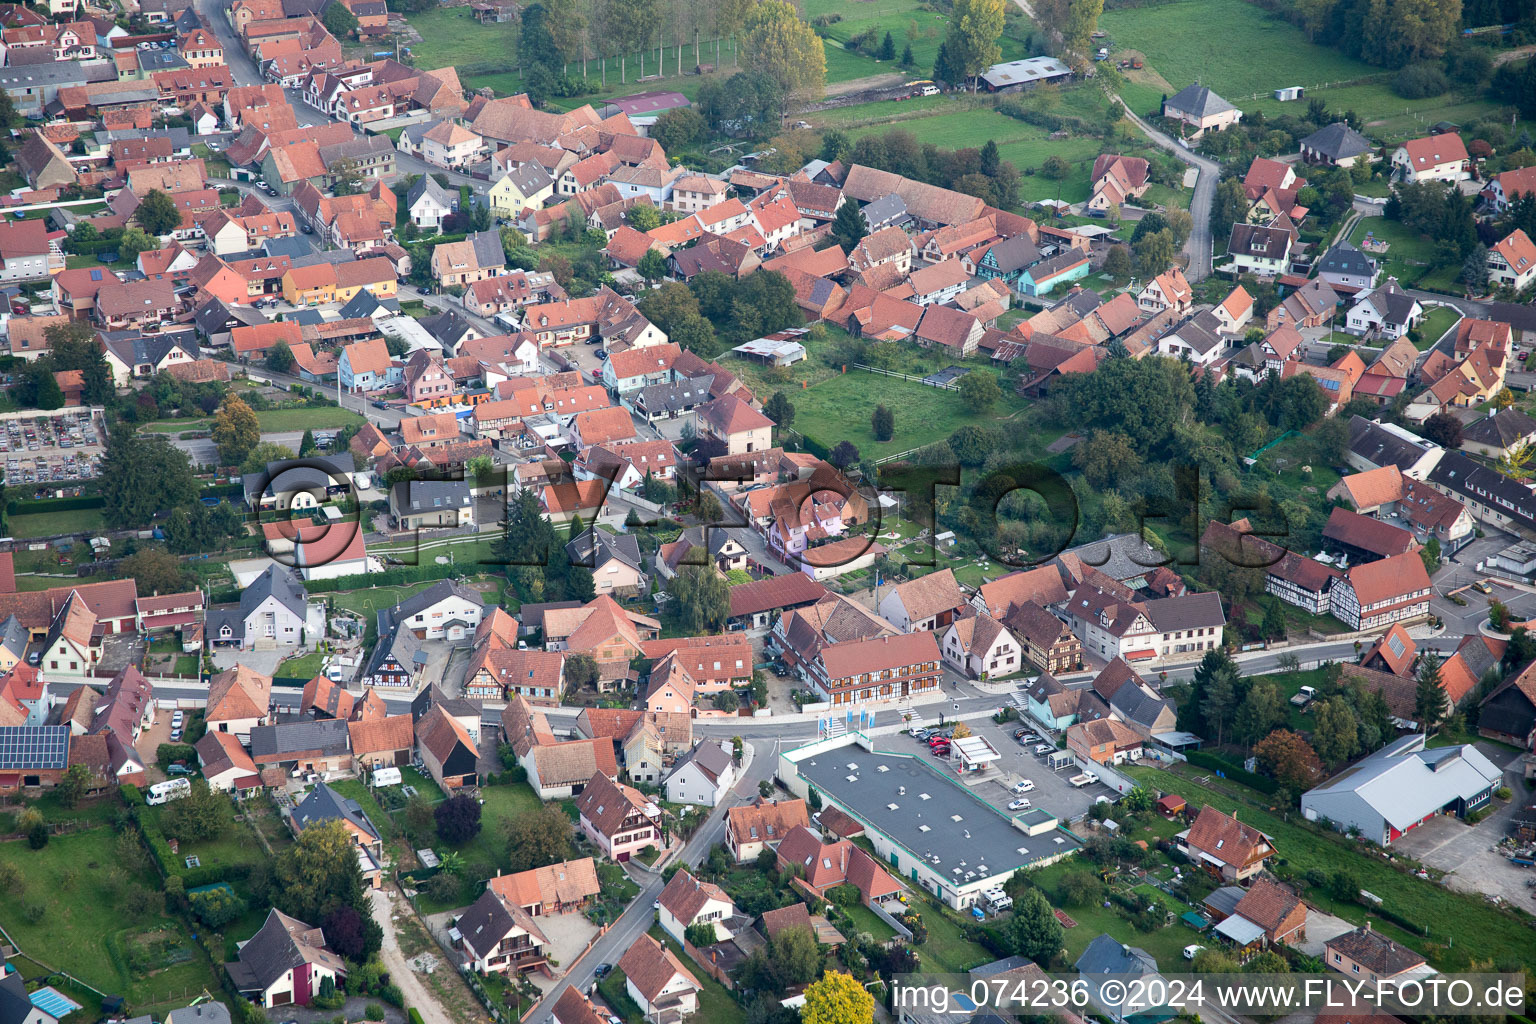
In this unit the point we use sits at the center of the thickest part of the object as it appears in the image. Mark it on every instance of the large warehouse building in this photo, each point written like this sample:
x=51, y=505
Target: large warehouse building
x=928, y=829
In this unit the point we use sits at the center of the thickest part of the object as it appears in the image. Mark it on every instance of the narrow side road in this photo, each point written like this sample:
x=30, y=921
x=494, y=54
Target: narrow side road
x=1200, y=246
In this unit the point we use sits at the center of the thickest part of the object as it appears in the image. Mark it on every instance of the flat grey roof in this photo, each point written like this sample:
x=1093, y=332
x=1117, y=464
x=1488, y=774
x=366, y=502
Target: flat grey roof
x=932, y=817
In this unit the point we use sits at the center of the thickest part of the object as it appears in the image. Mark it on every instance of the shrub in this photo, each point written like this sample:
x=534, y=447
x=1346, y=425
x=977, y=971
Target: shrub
x=373, y=1011
x=1503, y=793
x=1420, y=81
x=37, y=836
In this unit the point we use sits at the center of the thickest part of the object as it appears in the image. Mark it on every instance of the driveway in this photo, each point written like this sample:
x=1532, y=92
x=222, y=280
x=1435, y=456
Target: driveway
x=1464, y=852
x=265, y=662
x=1320, y=928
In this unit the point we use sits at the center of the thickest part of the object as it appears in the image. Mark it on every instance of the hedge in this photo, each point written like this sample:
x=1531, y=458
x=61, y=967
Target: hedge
x=1236, y=772
x=14, y=507
x=131, y=795
x=169, y=865
x=413, y=1016
x=1399, y=920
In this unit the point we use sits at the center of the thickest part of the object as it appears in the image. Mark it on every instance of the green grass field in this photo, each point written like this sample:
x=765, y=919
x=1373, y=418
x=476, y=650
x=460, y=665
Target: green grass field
x=1254, y=52
x=839, y=409
x=86, y=928
x=272, y=420
x=1436, y=322
x=305, y=666
x=1025, y=145
x=366, y=602
x=1471, y=927
x=1408, y=252
x=77, y=520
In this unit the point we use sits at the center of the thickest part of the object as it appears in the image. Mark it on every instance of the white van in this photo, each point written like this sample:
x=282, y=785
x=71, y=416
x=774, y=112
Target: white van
x=172, y=789
x=386, y=776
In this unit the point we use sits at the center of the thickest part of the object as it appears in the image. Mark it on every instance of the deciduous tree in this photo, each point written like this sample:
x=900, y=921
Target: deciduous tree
x=836, y=998
x=457, y=819
x=979, y=390
x=537, y=838
x=1334, y=732
x=236, y=430
x=201, y=815
x=157, y=570
x=157, y=213
x=975, y=26
x=1289, y=759
x=776, y=41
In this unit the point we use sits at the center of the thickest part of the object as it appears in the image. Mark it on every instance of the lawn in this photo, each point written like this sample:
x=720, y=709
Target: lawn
x=234, y=847
x=87, y=927
x=865, y=920
x=85, y=259
x=1408, y=252
x=1253, y=54
x=486, y=853
x=947, y=950
x=75, y=520
x=366, y=602
x=1437, y=320
x=1025, y=145
x=839, y=408
x=273, y=421
x=305, y=666
x=1461, y=926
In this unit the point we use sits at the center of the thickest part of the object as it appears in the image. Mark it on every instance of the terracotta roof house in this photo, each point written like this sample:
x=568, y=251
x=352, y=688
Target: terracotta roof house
x=620, y=820
x=1275, y=909
x=382, y=742
x=658, y=982
x=552, y=889
x=825, y=866
x=926, y=603
x=1235, y=852
x=761, y=824
x=238, y=700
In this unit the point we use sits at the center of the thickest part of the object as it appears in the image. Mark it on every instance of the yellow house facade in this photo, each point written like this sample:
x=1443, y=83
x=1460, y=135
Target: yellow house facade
x=522, y=188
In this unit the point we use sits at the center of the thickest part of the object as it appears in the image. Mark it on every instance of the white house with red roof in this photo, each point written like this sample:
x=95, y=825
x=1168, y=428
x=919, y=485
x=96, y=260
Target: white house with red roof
x=1432, y=158
x=1512, y=262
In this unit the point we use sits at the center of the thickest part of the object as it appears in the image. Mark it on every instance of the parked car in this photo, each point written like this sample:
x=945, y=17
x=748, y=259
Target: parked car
x=1191, y=950
x=1024, y=786
x=602, y=970
x=1018, y=805
x=1043, y=748
x=179, y=769
x=176, y=735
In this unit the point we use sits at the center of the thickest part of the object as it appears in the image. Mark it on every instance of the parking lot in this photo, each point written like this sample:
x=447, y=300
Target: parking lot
x=1051, y=790
x=42, y=448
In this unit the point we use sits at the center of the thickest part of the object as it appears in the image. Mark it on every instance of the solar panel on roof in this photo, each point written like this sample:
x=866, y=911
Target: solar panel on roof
x=24, y=747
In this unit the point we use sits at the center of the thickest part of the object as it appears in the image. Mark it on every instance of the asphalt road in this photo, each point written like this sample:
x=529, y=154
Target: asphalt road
x=1199, y=245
